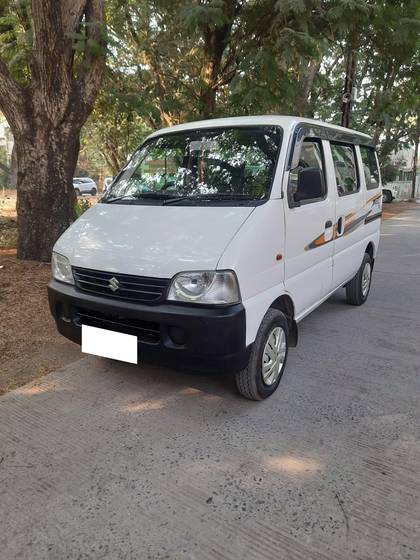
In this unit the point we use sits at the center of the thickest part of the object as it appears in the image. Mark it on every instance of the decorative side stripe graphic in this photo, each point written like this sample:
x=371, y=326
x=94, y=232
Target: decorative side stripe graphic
x=319, y=241
x=371, y=218
x=351, y=222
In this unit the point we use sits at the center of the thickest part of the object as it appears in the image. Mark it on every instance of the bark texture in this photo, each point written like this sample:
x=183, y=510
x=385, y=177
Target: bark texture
x=47, y=114
x=219, y=69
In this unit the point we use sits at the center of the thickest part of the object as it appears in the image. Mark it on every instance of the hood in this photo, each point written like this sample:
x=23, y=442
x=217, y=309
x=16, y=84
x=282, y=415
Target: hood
x=156, y=241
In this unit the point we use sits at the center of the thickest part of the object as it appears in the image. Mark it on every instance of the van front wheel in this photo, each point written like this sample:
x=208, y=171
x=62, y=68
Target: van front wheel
x=268, y=357
x=357, y=290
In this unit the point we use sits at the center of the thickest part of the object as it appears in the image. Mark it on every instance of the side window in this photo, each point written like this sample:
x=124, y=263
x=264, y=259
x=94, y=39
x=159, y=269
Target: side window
x=306, y=181
x=370, y=167
x=344, y=158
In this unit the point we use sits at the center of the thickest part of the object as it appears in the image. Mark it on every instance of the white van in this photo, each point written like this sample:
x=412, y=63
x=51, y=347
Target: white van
x=215, y=240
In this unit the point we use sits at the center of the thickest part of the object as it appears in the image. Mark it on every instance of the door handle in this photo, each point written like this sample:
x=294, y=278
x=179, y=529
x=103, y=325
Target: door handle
x=328, y=235
x=340, y=226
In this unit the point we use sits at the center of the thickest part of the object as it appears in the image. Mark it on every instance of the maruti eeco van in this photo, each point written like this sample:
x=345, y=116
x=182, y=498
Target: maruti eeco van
x=216, y=240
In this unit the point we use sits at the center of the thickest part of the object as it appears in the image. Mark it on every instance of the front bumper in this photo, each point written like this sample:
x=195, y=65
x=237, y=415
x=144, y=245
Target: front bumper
x=177, y=336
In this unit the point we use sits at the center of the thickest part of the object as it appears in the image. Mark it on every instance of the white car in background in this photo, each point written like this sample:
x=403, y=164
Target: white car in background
x=388, y=193
x=84, y=185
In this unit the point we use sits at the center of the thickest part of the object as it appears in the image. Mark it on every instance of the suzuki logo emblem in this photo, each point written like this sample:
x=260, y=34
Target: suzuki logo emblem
x=113, y=284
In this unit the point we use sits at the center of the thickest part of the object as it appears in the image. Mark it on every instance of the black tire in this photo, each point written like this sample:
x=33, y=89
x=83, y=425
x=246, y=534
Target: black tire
x=249, y=381
x=93, y=191
x=355, y=290
x=77, y=192
x=387, y=196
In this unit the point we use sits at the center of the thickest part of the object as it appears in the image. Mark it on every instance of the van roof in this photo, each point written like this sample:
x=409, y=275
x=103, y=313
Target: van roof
x=287, y=122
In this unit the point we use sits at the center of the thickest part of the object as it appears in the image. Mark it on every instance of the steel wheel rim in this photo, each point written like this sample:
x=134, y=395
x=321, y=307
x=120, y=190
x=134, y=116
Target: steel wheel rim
x=274, y=355
x=366, y=275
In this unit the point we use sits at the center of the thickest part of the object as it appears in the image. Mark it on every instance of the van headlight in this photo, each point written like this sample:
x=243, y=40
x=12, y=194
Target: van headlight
x=61, y=268
x=205, y=287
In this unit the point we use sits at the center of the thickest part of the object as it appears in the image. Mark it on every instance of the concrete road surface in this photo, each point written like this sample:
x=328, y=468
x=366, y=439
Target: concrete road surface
x=106, y=460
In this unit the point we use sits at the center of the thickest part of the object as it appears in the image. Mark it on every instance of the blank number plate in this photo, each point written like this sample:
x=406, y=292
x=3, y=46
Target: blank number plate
x=109, y=344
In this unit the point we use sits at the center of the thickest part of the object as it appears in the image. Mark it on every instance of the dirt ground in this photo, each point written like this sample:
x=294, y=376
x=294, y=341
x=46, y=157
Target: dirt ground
x=29, y=343
x=30, y=346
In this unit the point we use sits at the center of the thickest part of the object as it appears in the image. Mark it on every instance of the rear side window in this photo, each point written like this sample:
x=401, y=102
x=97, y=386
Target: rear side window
x=344, y=158
x=370, y=167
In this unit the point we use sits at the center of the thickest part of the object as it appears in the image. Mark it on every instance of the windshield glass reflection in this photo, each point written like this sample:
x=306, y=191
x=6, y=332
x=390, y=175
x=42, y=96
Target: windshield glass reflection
x=235, y=163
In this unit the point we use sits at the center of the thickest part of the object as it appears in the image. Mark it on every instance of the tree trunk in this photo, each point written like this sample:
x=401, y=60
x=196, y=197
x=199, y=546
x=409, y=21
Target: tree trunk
x=214, y=73
x=46, y=198
x=308, y=75
x=47, y=112
x=414, y=180
x=208, y=91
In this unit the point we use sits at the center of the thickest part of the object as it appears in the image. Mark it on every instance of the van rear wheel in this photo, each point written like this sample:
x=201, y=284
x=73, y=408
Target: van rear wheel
x=357, y=290
x=268, y=358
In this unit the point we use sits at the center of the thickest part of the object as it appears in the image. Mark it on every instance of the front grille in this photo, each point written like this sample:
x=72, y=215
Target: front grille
x=142, y=289
x=146, y=331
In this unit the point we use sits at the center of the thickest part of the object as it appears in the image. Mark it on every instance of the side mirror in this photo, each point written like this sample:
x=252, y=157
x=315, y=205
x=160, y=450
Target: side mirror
x=310, y=184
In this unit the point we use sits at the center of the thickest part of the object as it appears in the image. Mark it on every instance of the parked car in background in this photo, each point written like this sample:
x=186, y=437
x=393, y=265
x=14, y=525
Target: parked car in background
x=107, y=182
x=84, y=185
x=388, y=193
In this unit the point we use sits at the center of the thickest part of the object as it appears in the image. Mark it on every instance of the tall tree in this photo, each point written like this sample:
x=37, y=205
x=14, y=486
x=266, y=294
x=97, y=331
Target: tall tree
x=215, y=22
x=188, y=59
x=48, y=85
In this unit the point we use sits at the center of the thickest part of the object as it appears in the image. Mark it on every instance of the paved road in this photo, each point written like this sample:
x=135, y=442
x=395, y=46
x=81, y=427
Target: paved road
x=102, y=460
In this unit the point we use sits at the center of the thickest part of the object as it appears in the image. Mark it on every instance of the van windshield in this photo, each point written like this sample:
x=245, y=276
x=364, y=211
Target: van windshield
x=232, y=165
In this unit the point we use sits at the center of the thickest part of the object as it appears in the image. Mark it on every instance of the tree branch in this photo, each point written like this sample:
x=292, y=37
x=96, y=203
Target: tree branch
x=131, y=27
x=93, y=66
x=12, y=98
x=71, y=14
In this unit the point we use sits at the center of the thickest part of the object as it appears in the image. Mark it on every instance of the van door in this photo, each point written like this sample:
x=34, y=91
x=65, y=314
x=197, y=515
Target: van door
x=309, y=232
x=349, y=244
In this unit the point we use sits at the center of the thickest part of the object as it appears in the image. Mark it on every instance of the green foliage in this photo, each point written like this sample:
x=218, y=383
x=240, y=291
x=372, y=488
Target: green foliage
x=16, y=37
x=389, y=172
x=201, y=15
x=169, y=62
x=81, y=205
x=116, y=127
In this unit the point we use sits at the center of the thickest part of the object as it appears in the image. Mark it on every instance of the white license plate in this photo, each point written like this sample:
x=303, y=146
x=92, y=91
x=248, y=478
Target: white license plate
x=109, y=344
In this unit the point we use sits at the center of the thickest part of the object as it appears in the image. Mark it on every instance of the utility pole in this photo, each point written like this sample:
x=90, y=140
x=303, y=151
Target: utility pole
x=414, y=179
x=349, y=85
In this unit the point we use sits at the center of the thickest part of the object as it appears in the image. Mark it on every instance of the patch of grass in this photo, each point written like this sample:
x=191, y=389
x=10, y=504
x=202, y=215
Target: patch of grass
x=8, y=233
x=82, y=204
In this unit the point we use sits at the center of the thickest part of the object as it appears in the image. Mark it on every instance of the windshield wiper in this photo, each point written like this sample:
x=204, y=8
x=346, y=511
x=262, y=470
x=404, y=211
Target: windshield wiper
x=210, y=197
x=231, y=196
x=150, y=196
x=175, y=199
